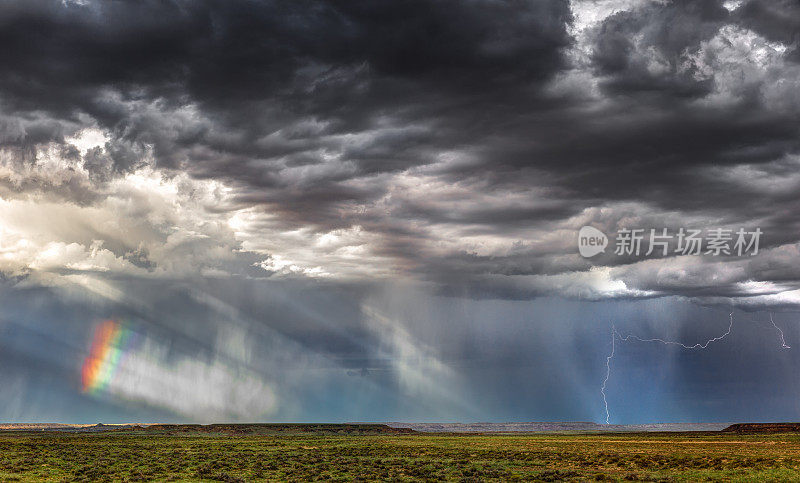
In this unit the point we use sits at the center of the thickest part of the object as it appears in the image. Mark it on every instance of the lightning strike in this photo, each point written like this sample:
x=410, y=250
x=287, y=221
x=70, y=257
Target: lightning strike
x=616, y=335
x=608, y=370
x=780, y=332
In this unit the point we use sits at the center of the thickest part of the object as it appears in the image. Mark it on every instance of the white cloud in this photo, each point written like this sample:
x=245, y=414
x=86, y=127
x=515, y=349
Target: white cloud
x=87, y=138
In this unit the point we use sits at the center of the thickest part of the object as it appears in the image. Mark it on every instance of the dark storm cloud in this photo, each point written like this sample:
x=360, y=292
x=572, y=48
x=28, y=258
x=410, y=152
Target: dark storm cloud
x=312, y=110
x=653, y=140
x=670, y=29
x=260, y=71
x=308, y=57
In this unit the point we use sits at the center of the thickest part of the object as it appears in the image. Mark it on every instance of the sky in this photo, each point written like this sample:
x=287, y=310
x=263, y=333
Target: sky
x=241, y=210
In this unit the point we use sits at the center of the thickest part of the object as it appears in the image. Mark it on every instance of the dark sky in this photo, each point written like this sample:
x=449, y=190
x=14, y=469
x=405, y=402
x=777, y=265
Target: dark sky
x=321, y=210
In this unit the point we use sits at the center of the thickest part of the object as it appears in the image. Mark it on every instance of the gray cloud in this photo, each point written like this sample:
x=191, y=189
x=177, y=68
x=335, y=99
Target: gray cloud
x=463, y=145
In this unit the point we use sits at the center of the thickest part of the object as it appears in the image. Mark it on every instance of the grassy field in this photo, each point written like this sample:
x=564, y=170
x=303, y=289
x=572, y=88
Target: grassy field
x=329, y=455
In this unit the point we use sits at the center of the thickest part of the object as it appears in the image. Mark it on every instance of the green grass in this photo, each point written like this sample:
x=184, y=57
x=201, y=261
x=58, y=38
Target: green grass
x=303, y=456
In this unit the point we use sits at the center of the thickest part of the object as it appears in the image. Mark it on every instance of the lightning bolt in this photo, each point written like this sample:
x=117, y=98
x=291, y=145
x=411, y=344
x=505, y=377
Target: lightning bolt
x=780, y=332
x=616, y=335
x=608, y=370
x=669, y=342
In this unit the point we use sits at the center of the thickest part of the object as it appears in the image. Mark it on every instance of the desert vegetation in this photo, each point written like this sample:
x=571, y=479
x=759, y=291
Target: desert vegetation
x=170, y=453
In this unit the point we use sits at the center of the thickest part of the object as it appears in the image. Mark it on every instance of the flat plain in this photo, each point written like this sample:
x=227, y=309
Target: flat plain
x=379, y=453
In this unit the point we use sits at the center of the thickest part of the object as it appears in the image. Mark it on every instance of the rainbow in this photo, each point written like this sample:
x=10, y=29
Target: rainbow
x=108, y=346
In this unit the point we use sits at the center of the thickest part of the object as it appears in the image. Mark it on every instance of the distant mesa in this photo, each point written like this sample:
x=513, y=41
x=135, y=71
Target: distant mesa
x=567, y=426
x=763, y=428
x=229, y=429
x=345, y=428
x=403, y=428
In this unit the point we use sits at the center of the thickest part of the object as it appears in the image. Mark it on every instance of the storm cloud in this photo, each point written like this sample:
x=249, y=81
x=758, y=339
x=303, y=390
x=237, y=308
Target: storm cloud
x=461, y=143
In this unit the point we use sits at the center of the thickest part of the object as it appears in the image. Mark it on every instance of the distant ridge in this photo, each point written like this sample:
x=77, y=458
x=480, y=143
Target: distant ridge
x=763, y=428
x=556, y=426
x=232, y=428
x=63, y=427
x=400, y=427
